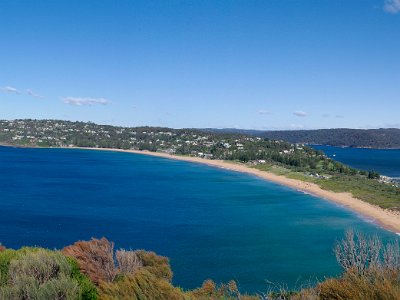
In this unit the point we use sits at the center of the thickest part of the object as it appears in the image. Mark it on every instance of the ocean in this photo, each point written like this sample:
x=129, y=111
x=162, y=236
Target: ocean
x=211, y=223
x=384, y=161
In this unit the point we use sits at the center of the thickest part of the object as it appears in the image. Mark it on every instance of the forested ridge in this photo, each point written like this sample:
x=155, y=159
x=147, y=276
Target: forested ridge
x=382, y=138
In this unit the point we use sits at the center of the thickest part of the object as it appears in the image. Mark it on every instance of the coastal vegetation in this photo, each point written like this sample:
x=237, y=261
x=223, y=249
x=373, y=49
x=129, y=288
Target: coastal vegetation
x=362, y=185
x=293, y=160
x=94, y=270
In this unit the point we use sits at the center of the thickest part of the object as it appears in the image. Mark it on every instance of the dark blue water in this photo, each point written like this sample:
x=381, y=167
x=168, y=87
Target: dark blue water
x=384, y=161
x=212, y=223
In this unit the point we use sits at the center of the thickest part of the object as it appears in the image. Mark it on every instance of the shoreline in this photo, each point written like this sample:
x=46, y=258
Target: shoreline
x=351, y=147
x=389, y=220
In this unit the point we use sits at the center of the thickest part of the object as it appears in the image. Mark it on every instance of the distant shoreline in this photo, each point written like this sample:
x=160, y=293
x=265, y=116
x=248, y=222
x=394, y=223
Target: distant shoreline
x=352, y=147
x=389, y=220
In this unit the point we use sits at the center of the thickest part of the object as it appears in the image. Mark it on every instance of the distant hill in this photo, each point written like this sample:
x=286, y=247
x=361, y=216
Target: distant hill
x=363, y=138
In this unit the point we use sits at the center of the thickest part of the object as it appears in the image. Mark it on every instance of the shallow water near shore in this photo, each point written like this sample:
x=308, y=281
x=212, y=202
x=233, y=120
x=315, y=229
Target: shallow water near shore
x=211, y=223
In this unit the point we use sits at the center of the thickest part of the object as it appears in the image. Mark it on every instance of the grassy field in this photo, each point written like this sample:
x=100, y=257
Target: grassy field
x=369, y=190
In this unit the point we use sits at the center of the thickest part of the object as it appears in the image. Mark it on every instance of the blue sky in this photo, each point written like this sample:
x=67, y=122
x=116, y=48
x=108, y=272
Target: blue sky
x=276, y=64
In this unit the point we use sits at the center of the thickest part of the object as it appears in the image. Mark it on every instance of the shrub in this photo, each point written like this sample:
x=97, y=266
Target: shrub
x=373, y=285
x=391, y=257
x=41, y=265
x=5, y=258
x=155, y=264
x=27, y=288
x=95, y=259
x=371, y=270
x=210, y=290
x=357, y=253
x=60, y=288
x=88, y=289
x=34, y=273
x=143, y=285
x=128, y=261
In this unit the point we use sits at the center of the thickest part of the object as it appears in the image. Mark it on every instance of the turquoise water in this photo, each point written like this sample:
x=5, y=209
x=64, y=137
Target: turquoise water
x=212, y=223
x=384, y=161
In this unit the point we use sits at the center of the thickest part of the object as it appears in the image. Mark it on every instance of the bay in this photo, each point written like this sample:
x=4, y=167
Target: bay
x=211, y=223
x=384, y=161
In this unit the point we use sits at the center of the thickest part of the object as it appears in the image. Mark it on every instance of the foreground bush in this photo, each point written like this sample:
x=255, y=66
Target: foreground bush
x=142, y=285
x=373, y=285
x=93, y=270
x=210, y=290
x=124, y=274
x=95, y=259
x=35, y=273
x=371, y=270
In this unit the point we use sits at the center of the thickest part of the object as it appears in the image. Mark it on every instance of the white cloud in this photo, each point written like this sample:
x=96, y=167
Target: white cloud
x=34, y=95
x=82, y=101
x=392, y=6
x=300, y=113
x=10, y=89
x=264, y=112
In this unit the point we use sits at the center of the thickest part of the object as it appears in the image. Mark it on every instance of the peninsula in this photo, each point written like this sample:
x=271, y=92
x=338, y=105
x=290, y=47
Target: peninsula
x=387, y=218
x=295, y=165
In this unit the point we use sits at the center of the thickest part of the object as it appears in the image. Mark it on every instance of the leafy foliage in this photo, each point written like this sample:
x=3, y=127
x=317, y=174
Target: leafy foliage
x=371, y=271
x=35, y=273
x=95, y=258
x=375, y=284
x=210, y=290
x=143, y=285
x=88, y=289
x=155, y=264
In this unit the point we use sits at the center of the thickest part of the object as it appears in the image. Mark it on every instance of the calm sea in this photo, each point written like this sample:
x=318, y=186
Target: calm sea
x=212, y=223
x=384, y=161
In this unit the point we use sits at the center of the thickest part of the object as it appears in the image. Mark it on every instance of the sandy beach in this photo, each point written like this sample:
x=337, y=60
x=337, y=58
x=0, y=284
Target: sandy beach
x=387, y=219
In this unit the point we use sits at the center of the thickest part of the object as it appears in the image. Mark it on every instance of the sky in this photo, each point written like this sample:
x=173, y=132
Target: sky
x=268, y=64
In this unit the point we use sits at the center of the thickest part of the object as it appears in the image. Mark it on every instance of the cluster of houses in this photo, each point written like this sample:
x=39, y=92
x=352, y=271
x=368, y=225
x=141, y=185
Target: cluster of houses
x=69, y=134
x=389, y=180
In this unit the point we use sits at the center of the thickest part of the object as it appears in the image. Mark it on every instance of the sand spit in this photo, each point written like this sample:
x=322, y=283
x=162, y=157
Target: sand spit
x=388, y=219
